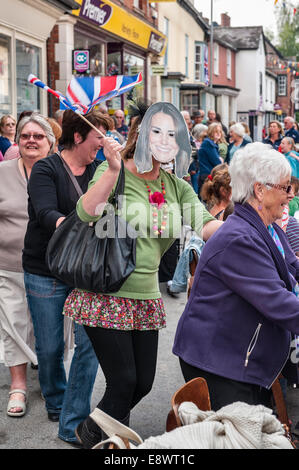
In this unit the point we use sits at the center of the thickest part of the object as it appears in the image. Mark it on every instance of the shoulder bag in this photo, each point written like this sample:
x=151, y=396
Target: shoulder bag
x=97, y=257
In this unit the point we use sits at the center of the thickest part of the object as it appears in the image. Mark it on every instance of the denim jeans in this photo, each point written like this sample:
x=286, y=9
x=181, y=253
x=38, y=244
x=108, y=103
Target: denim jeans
x=70, y=398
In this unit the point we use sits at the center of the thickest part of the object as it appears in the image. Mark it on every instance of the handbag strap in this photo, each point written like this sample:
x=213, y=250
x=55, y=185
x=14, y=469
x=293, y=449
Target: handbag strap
x=120, y=185
x=73, y=179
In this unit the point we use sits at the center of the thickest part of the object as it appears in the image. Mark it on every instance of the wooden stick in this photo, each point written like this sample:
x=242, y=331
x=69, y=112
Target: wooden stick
x=91, y=125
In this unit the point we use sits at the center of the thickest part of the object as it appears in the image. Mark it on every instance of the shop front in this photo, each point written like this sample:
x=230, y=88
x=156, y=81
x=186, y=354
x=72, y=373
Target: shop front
x=24, y=29
x=119, y=43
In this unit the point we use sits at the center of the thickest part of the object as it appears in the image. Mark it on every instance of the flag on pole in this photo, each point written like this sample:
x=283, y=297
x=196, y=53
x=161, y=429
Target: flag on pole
x=83, y=93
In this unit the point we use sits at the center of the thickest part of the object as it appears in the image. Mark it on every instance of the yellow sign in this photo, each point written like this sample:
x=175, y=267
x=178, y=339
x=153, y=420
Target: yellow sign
x=110, y=17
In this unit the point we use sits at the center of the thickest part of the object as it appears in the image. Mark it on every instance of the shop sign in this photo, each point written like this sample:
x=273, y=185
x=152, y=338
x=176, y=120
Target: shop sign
x=96, y=11
x=156, y=43
x=277, y=107
x=81, y=60
x=157, y=69
x=114, y=19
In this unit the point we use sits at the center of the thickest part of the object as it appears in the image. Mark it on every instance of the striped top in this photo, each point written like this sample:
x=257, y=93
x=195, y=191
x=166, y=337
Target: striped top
x=293, y=234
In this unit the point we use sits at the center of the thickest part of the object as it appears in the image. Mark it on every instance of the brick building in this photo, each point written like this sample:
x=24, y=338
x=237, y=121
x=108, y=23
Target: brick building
x=120, y=37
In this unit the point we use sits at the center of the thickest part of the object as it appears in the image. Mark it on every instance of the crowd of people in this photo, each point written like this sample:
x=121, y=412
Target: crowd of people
x=239, y=196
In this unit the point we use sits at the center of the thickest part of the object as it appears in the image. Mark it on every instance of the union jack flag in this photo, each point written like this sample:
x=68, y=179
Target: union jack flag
x=206, y=66
x=83, y=93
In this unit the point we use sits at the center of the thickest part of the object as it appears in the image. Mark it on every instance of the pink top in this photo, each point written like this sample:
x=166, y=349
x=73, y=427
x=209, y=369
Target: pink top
x=12, y=152
x=1, y=157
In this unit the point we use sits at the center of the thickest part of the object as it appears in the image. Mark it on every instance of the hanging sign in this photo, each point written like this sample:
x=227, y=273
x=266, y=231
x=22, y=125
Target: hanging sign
x=81, y=60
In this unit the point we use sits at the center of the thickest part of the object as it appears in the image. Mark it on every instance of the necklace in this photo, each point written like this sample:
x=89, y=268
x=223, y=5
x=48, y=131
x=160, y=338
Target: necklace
x=158, y=202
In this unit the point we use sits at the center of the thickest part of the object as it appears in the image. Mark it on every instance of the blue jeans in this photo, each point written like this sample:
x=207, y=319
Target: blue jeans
x=46, y=297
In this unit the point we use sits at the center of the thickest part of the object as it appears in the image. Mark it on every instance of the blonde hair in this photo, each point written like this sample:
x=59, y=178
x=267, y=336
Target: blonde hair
x=4, y=118
x=212, y=128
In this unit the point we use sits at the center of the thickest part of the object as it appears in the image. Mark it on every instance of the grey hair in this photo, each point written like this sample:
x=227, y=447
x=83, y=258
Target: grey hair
x=41, y=121
x=290, y=118
x=254, y=163
x=238, y=129
x=198, y=129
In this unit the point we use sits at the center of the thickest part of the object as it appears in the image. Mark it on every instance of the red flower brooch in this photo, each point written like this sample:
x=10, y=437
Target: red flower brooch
x=157, y=198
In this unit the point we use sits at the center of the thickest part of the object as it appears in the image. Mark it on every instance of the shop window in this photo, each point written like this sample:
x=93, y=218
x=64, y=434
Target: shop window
x=96, y=52
x=28, y=61
x=133, y=65
x=5, y=75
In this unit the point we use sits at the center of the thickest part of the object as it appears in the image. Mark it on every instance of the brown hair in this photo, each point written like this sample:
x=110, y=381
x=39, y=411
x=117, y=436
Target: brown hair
x=295, y=183
x=130, y=147
x=72, y=123
x=211, y=189
x=56, y=128
x=278, y=124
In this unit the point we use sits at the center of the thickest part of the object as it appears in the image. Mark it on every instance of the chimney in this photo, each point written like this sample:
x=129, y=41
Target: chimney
x=225, y=20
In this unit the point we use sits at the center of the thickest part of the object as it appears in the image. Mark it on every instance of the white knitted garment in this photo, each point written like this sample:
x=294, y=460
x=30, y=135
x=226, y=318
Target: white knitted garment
x=236, y=426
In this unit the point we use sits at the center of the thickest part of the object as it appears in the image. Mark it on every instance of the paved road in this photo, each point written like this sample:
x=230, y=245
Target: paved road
x=34, y=431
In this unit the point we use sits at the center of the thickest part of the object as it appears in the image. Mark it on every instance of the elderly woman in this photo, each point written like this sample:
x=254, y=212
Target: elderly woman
x=237, y=140
x=36, y=140
x=208, y=154
x=52, y=196
x=236, y=328
x=7, y=131
x=275, y=134
x=288, y=148
x=123, y=326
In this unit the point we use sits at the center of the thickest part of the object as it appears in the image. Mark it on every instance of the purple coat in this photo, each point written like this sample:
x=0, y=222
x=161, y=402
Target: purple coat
x=241, y=312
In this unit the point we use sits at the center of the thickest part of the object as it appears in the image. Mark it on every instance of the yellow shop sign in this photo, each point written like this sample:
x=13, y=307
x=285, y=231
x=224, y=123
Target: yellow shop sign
x=116, y=20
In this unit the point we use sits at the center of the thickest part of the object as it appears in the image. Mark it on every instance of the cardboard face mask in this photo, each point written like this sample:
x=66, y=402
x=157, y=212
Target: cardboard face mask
x=163, y=136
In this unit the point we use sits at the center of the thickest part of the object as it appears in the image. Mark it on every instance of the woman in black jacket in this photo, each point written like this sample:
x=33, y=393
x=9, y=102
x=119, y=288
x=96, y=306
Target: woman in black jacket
x=52, y=196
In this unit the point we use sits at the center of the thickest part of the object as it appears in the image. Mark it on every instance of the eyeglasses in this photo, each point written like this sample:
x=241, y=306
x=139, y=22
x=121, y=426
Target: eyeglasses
x=286, y=189
x=37, y=137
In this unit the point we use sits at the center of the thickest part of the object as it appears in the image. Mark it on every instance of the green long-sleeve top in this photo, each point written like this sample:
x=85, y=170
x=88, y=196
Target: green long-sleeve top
x=182, y=204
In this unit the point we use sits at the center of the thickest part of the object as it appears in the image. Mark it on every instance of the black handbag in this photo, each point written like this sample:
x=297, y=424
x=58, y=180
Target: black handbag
x=99, y=256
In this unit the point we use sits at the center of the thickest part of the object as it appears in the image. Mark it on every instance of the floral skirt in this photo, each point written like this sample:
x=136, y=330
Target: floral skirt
x=107, y=311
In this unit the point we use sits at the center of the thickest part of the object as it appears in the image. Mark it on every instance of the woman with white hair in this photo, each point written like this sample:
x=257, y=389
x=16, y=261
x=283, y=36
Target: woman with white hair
x=35, y=139
x=237, y=141
x=236, y=328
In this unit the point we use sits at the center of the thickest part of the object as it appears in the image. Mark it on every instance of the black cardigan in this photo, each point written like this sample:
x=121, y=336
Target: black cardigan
x=51, y=195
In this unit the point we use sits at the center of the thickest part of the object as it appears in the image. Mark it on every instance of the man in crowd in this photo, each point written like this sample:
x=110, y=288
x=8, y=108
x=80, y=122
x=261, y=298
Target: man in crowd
x=121, y=127
x=198, y=117
x=290, y=130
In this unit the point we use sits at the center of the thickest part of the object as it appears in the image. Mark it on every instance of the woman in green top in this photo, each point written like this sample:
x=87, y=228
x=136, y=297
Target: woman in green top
x=123, y=326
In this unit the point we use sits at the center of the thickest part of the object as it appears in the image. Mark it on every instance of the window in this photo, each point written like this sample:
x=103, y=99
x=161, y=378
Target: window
x=198, y=62
x=28, y=61
x=5, y=75
x=96, y=49
x=166, y=32
x=282, y=85
x=186, y=55
x=229, y=64
x=216, y=59
x=261, y=83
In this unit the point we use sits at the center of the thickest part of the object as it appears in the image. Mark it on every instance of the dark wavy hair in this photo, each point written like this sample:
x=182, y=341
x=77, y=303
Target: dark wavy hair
x=72, y=123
